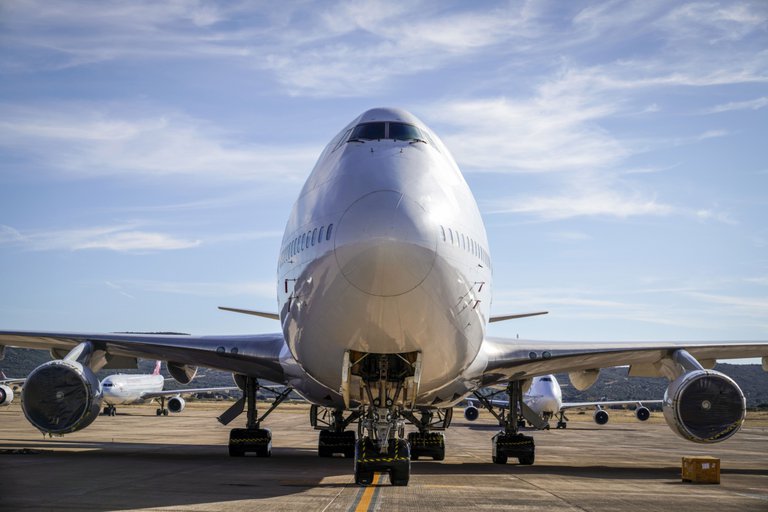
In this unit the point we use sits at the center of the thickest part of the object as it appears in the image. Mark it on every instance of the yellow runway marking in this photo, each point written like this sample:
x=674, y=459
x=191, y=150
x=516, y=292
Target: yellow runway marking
x=365, y=499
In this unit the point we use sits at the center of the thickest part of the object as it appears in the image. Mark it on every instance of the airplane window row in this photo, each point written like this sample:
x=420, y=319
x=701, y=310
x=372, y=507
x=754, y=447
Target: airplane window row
x=458, y=239
x=305, y=241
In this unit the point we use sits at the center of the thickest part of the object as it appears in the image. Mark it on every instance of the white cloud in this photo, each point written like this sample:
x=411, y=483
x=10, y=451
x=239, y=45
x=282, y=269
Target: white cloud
x=264, y=289
x=88, y=140
x=118, y=238
x=589, y=203
x=554, y=131
x=755, y=104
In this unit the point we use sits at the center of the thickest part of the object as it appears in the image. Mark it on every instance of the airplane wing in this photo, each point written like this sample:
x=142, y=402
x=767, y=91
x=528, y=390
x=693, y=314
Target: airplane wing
x=12, y=382
x=254, y=355
x=174, y=392
x=609, y=403
x=513, y=359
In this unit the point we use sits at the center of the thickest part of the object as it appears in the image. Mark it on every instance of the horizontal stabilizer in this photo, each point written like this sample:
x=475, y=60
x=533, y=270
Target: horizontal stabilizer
x=501, y=318
x=263, y=314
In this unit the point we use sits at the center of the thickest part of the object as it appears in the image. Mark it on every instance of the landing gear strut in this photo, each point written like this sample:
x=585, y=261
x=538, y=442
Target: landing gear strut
x=509, y=442
x=162, y=410
x=252, y=438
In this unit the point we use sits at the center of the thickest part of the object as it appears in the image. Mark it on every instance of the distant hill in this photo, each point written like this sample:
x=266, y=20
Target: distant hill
x=613, y=383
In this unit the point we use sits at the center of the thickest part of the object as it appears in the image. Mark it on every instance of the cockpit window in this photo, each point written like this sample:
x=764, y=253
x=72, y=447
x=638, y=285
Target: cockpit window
x=402, y=131
x=392, y=131
x=369, y=131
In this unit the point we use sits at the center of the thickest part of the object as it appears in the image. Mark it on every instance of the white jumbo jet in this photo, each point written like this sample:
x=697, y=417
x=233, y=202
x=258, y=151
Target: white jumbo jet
x=384, y=289
x=543, y=400
x=125, y=389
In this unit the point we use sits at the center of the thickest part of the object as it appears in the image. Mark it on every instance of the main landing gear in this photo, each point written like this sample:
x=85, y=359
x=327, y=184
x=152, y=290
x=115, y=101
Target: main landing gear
x=509, y=442
x=109, y=410
x=333, y=438
x=162, y=410
x=252, y=438
x=426, y=442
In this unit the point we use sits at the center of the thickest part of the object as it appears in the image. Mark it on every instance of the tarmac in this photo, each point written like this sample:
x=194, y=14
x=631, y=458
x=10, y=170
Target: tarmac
x=139, y=461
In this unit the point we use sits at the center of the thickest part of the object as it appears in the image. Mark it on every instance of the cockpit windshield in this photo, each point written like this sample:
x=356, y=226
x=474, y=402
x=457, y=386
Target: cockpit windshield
x=369, y=131
x=382, y=130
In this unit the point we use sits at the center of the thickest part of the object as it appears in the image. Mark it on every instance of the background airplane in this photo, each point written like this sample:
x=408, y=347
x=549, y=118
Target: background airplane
x=384, y=287
x=125, y=389
x=543, y=400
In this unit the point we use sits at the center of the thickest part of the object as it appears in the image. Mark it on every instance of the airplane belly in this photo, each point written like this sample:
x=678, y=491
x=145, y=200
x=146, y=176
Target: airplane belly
x=431, y=318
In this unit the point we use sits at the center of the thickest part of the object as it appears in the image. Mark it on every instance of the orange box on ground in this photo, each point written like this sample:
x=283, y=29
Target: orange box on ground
x=701, y=470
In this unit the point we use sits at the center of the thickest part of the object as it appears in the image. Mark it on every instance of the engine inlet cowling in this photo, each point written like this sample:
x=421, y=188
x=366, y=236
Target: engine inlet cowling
x=704, y=406
x=6, y=395
x=60, y=397
x=471, y=413
x=176, y=404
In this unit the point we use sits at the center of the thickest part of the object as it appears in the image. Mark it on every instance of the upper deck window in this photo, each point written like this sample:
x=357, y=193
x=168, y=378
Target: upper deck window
x=392, y=131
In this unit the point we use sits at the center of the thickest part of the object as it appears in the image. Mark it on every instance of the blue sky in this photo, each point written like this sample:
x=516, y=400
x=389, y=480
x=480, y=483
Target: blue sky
x=150, y=153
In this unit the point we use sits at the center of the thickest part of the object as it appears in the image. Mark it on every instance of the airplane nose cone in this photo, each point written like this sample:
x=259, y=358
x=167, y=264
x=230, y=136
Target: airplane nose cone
x=384, y=244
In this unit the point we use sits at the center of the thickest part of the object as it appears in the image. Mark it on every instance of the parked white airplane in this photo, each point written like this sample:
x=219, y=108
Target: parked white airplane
x=124, y=389
x=7, y=387
x=544, y=400
x=384, y=290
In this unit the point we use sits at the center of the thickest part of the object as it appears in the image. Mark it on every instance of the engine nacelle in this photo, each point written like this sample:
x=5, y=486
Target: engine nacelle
x=176, y=404
x=6, y=395
x=642, y=413
x=471, y=413
x=704, y=406
x=600, y=417
x=61, y=396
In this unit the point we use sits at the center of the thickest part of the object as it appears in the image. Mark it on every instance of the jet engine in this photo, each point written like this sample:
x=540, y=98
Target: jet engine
x=471, y=413
x=176, y=404
x=704, y=406
x=61, y=396
x=642, y=413
x=600, y=417
x=6, y=395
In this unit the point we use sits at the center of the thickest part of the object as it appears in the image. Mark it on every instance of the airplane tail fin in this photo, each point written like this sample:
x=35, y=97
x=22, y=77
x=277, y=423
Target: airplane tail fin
x=2, y=375
x=157, y=368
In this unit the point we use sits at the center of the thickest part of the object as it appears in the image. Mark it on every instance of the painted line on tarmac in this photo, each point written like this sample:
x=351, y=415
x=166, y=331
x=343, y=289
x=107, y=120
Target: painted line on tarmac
x=367, y=496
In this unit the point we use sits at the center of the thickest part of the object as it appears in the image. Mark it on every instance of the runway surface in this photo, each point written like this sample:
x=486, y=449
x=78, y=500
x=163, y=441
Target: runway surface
x=138, y=461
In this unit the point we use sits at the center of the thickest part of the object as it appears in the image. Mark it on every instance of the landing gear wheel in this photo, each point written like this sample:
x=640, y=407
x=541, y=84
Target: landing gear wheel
x=396, y=462
x=256, y=440
x=330, y=443
x=159, y=412
x=561, y=424
x=165, y=412
x=518, y=446
x=113, y=411
x=430, y=444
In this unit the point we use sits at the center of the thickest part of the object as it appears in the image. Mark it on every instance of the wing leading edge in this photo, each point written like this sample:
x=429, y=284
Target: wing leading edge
x=513, y=359
x=253, y=355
